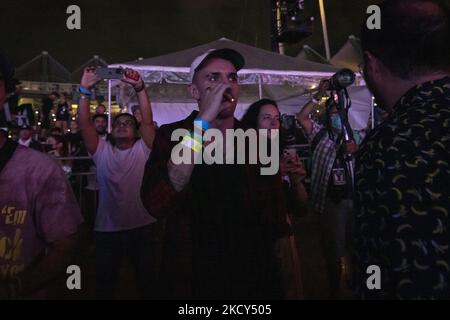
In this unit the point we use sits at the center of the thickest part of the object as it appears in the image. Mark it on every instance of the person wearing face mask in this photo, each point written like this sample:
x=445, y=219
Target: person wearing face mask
x=331, y=191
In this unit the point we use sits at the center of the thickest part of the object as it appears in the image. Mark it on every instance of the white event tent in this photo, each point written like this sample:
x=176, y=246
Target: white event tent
x=265, y=75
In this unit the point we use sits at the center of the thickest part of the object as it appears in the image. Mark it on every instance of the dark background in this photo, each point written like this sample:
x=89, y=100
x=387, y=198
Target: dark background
x=120, y=30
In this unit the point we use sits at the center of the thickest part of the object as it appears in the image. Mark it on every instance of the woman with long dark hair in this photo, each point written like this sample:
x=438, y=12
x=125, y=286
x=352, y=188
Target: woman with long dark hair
x=264, y=114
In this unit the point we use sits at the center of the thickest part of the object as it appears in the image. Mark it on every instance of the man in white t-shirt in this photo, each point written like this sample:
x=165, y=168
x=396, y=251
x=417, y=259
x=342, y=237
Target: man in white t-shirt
x=122, y=225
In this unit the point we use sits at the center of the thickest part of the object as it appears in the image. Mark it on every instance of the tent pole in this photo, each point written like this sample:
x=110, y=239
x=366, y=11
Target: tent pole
x=281, y=49
x=325, y=30
x=373, y=112
x=109, y=106
x=260, y=87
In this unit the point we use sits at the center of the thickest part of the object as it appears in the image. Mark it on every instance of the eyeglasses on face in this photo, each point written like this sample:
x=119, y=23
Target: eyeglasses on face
x=126, y=123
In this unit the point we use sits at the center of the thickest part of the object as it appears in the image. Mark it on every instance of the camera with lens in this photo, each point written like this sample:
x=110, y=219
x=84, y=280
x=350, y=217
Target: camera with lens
x=340, y=80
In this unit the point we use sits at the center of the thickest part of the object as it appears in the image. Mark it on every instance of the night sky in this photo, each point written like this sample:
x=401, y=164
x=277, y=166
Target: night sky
x=121, y=30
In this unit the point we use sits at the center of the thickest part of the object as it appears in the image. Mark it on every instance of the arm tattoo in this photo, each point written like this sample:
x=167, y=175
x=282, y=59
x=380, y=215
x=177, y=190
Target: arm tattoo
x=178, y=177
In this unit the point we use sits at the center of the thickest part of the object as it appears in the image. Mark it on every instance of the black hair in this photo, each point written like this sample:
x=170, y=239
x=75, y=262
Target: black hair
x=250, y=118
x=57, y=137
x=136, y=127
x=60, y=139
x=125, y=115
x=136, y=123
x=414, y=37
x=99, y=115
x=54, y=93
x=54, y=129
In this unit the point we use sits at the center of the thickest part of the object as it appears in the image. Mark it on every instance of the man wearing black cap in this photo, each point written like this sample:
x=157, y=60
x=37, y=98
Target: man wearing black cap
x=223, y=221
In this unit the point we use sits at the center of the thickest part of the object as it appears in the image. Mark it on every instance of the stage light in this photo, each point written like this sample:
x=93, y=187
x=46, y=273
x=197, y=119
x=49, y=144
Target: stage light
x=292, y=26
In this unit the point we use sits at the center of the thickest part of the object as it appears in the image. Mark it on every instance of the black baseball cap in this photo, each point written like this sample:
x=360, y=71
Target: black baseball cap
x=25, y=127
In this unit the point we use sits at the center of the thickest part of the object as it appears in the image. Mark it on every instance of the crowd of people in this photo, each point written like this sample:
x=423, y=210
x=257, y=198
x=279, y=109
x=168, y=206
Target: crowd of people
x=195, y=230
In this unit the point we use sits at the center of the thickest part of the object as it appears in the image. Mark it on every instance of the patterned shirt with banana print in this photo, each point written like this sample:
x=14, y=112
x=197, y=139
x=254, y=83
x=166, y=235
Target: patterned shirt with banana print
x=402, y=181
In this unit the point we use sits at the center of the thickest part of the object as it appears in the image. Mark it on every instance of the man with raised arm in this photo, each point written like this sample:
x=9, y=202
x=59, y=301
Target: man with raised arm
x=122, y=225
x=226, y=230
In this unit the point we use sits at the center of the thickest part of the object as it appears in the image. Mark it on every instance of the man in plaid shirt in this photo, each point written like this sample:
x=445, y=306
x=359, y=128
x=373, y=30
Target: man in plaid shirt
x=226, y=231
x=331, y=192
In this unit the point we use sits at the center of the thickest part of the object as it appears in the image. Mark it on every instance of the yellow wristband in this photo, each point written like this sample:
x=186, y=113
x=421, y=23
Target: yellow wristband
x=192, y=143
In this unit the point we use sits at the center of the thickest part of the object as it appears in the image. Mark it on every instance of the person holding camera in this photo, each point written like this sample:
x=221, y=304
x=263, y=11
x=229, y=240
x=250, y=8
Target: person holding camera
x=122, y=225
x=330, y=186
x=264, y=114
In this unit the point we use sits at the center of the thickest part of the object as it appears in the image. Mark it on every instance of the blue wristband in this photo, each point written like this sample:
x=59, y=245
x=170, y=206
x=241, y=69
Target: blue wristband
x=85, y=91
x=203, y=124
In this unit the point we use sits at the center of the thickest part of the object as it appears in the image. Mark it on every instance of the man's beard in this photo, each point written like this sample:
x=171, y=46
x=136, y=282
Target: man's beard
x=101, y=132
x=226, y=112
x=370, y=84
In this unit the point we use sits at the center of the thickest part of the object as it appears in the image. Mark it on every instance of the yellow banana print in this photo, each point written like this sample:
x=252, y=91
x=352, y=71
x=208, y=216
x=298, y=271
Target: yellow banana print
x=439, y=229
x=402, y=244
x=443, y=263
x=441, y=209
x=398, y=177
x=404, y=282
x=398, y=193
x=434, y=173
x=417, y=212
x=420, y=267
x=433, y=194
x=404, y=227
x=411, y=165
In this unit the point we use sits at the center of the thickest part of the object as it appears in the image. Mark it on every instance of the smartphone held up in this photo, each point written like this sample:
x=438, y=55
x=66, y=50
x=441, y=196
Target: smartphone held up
x=110, y=73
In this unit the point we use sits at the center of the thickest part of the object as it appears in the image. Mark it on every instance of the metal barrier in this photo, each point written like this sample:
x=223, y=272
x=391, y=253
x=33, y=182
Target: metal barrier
x=81, y=186
x=80, y=189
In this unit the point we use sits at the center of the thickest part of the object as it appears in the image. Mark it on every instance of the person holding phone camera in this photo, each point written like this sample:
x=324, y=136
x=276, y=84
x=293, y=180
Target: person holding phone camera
x=332, y=197
x=122, y=225
x=264, y=114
